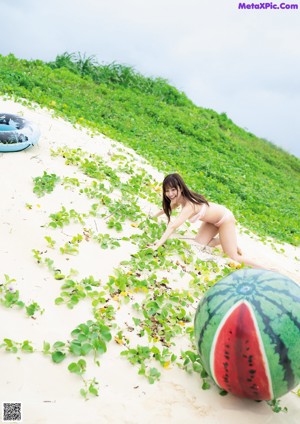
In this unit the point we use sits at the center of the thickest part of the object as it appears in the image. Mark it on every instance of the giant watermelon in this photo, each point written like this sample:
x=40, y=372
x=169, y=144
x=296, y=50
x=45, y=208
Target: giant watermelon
x=247, y=329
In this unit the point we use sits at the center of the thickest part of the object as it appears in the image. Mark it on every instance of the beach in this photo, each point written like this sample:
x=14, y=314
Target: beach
x=34, y=253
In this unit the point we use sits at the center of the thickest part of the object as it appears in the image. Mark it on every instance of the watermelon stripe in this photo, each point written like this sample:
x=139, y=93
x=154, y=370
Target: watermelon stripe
x=279, y=346
x=228, y=281
x=282, y=309
x=211, y=313
x=275, y=278
x=221, y=304
x=205, y=303
x=284, y=292
x=212, y=294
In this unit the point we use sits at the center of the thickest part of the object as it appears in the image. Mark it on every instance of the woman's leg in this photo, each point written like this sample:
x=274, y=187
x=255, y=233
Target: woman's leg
x=228, y=239
x=206, y=233
x=216, y=241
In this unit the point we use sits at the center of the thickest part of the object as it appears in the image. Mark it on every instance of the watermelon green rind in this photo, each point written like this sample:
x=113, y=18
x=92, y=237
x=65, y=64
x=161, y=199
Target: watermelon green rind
x=283, y=353
x=285, y=295
x=279, y=330
x=212, y=316
x=276, y=354
x=288, y=338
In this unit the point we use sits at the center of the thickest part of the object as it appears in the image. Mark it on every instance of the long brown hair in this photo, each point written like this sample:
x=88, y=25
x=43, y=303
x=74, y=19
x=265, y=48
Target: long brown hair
x=176, y=181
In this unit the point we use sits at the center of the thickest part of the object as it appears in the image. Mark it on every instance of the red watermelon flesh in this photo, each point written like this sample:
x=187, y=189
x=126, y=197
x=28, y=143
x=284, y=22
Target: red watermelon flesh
x=238, y=361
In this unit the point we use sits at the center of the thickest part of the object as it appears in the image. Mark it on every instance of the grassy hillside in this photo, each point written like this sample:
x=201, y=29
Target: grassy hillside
x=257, y=180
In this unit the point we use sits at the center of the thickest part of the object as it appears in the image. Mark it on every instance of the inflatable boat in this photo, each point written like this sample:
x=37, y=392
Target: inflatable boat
x=16, y=133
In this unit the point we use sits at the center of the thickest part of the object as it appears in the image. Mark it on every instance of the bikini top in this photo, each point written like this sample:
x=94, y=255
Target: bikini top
x=200, y=214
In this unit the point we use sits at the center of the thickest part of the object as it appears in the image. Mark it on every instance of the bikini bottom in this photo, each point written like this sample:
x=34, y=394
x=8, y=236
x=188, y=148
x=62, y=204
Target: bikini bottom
x=228, y=216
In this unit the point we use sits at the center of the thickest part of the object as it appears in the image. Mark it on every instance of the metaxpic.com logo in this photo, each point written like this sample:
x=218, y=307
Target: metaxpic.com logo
x=268, y=6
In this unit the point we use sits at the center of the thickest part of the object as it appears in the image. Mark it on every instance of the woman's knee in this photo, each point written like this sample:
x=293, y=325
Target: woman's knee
x=214, y=242
x=199, y=242
x=206, y=233
x=203, y=240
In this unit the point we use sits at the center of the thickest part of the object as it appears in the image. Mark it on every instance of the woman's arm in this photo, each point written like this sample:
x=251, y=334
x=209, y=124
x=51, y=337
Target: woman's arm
x=186, y=212
x=161, y=212
x=157, y=214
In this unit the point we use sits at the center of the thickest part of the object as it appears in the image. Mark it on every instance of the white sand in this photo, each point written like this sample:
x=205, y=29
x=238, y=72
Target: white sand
x=49, y=392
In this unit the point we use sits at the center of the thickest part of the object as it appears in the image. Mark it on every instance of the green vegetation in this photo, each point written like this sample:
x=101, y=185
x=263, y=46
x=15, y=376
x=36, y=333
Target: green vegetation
x=45, y=184
x=10, y=297
x=146, y=304
x=257, y=180
x=161, y=316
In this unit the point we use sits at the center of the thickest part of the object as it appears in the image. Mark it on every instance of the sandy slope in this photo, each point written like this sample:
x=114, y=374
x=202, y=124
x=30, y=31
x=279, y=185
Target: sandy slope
x=48, y=392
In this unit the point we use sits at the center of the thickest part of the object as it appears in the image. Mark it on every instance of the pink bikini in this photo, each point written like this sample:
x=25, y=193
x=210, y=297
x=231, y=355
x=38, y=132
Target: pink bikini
x=228, y=215
x=200, y=215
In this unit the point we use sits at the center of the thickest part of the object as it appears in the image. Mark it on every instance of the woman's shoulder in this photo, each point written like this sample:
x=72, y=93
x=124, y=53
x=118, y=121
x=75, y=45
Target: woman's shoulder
x=192, y=207
x=213, y=204
x=199, y=205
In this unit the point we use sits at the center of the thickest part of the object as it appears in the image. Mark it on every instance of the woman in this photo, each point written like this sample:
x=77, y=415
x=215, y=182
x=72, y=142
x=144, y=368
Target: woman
x=216, y=219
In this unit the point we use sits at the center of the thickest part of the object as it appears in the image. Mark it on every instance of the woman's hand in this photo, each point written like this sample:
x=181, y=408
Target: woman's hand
x=152, y=215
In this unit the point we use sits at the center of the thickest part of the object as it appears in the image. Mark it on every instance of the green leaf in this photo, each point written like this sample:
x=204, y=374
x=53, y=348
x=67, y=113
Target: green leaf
x=100, y=346
x=205, y=385
x=58, y=344
x=83, y=393
x=74, y=299
x=74, y=368
x=82, y=337
x=136, y=321
x=59, y=276
x=75, y=348
x=68, y=284
x=46, y=347
x=26, y=347
x=82, y=363
x=58, y=356
x=93, y=390
x=75, y=332
x=32, y=309
x=86, y=348
x=154, y=372
x=84, y=328
x=105, y=333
